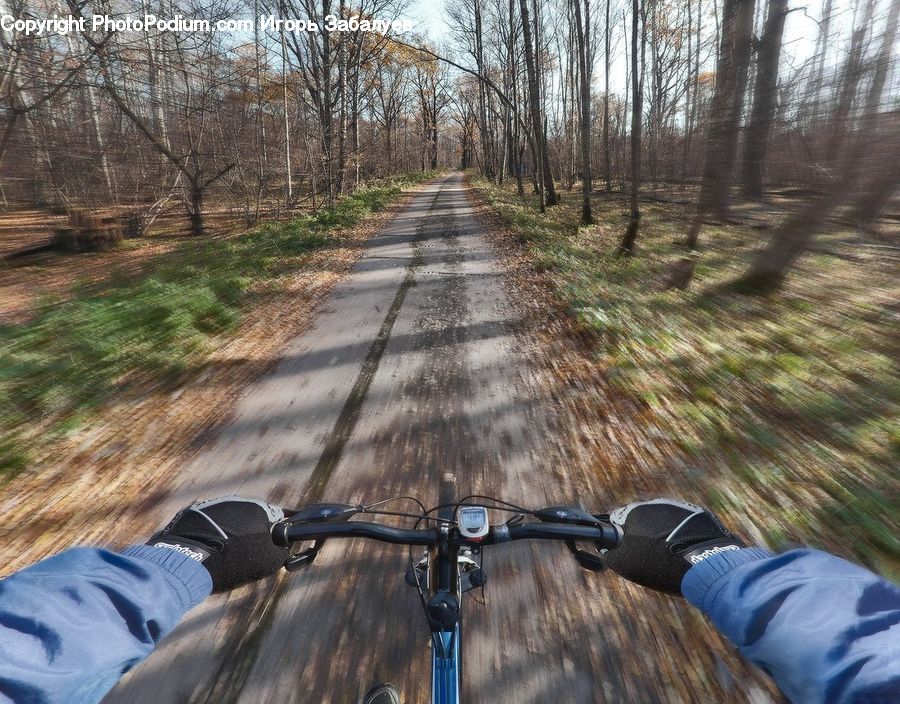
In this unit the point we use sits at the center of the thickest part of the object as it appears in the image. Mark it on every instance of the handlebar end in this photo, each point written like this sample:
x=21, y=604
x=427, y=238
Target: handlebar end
x=279, y=534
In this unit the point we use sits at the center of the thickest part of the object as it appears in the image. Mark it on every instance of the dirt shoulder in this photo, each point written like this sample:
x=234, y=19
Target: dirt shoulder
x=78, y=488
x=25, y=281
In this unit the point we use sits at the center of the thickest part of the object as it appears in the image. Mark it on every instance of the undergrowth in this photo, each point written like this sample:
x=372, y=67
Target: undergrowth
x=73, y=354
x=781, y=409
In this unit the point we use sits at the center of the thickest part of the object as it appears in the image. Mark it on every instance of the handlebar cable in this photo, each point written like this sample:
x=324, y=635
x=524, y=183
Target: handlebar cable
x=501, y=504
x=446, y=521
x=368, y=508
x=402, y=514
x=412, y=565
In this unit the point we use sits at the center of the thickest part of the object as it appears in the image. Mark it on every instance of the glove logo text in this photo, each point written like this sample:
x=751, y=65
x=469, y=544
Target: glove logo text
x=193, y=554
x=701, y=556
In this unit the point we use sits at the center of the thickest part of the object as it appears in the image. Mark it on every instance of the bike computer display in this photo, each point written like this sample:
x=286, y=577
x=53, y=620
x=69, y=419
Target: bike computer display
x=473, y=521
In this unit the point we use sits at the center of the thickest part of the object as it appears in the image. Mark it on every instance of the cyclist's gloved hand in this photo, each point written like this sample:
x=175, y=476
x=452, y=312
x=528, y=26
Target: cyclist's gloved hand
x=231, y=536
x=663, y=539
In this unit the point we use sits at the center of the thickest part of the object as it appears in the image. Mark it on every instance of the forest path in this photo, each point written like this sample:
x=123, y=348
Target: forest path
x=412, y=368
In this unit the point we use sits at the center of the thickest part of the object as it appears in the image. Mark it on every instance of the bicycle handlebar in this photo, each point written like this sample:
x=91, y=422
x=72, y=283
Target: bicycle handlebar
x=285, y=533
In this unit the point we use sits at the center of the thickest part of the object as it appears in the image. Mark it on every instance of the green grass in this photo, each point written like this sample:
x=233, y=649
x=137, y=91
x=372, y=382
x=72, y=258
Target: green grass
x=784, y=406
x=74, y=354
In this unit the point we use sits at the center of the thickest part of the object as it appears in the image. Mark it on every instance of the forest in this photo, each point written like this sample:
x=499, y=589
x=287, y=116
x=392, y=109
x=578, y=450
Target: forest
x=610, y=96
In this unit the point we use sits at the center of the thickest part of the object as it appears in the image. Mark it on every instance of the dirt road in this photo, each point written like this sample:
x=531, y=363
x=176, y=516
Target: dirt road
x=412, y=369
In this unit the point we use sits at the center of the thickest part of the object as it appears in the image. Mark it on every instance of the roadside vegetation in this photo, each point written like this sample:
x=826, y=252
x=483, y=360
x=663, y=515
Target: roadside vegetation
x=76, y=351
x=781, y=408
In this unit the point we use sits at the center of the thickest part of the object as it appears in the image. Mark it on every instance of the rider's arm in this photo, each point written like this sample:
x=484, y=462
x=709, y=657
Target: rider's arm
x=73, y=624
x=825, y=629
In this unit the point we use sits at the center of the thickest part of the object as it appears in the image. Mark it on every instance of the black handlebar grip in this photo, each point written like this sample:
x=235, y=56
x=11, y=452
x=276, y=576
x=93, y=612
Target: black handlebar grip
x=608, y=536
x=612, y=536
x=279, y=534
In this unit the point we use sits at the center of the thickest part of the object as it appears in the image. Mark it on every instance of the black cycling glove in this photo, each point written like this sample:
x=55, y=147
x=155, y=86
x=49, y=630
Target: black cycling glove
x=231, y=536
x=663, y=539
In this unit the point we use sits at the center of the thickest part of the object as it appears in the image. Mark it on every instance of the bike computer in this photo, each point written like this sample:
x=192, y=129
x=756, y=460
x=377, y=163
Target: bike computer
x=473, y=521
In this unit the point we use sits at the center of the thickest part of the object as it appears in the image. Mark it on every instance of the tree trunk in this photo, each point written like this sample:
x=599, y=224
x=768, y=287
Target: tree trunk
x=813, y=102
x=695, y=101
x=259, y=122
x=626, y=247
x=655, y=90
x=326, y=117
x=551, y=196
x=196, y=207
x=585, y=105
x=882, y=64
x=606, y=155
x=851, y=75
x=342, y=102
x=517, y=146
x=537, y=128
x=287, y=122
x=734, y=55
x=756, y=138
x=793, y=238
x=487, y=161
x=687, y=92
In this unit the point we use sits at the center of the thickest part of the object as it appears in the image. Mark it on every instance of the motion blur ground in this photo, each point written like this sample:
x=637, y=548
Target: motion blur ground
x=777, y=411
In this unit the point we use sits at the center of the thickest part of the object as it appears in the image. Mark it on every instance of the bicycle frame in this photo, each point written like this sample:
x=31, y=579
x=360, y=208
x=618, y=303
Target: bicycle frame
x=445, y=671
x=444, y=583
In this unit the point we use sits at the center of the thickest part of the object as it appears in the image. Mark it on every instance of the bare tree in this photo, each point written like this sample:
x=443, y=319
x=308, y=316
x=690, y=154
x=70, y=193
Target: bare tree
x=196, y=67
x=584, y=68
x=534, y=104
x=607, y=166
x=431, y=82
x=794, y=236
x=765, y=92
x=637, y=106
x=728, y=101
x=851, y=75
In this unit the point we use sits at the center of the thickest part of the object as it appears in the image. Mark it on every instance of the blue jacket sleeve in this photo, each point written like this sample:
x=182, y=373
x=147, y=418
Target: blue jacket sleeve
x=826, y=630
x=73, y=624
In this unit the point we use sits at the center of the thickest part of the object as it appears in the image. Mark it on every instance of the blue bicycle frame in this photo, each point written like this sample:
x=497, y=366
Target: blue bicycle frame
x=446, y=567
x=445, y=670
x=445, y=591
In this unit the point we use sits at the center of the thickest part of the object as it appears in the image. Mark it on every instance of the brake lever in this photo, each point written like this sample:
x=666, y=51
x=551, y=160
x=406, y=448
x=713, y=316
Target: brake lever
x=575, y=515
x=315, y=513
x=303, y=559
x=589, y=561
